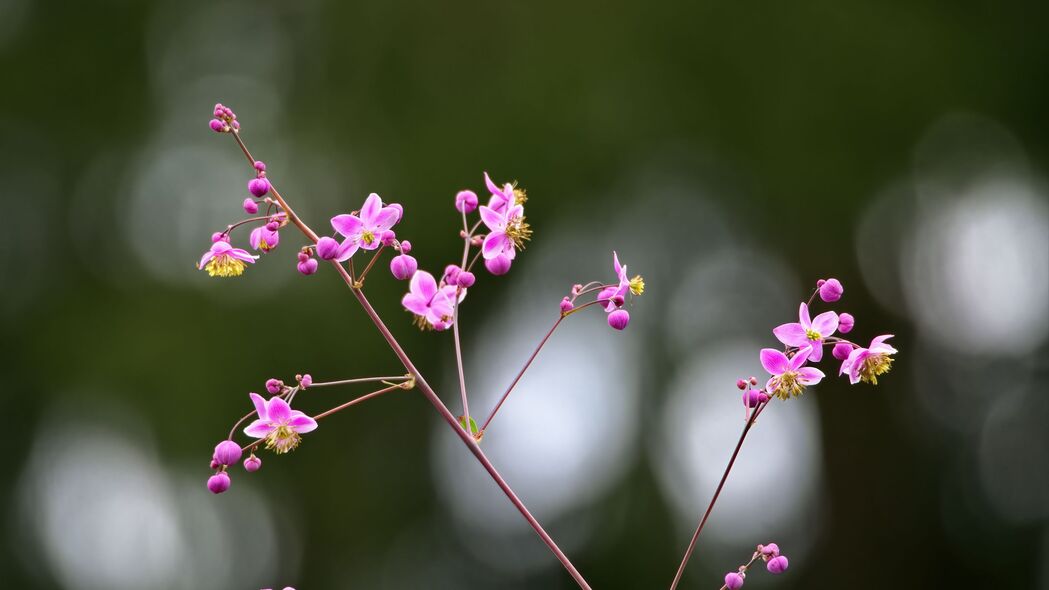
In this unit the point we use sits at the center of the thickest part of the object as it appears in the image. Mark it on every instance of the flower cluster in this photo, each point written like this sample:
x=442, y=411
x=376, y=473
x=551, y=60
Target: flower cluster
x=804, y=341
x=775, y=563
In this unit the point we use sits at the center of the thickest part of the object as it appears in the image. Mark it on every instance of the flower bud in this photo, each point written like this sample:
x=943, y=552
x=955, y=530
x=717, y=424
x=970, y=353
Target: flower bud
x=770, y=550
x=846, y=322
x=303, y=256
x=400, y=211
x=500, y=265
x=406, y=246
x=465, y=279
x=308, y=266
x=215, y=464
x=831, y=290
x=274, y=386
x=619, y=300
x=252, y=463
x=466, y=201
x=250, y=206
x=733, y=581
x=403, y=267
x=219, y=237
x=753, y=380
x=441, y=326
x=227, y=452
x=741, y=384
x=306, y=380
x=273, y=226
x=218, y=483
x=327, y=248
x=841, y=350
x=777, y=565
x=258, y=186
x=820, y=282
x=752, y=398
x=260, y=165
x=566, y=305
x=388, y=237
x=619, y=319
x=217, y=126
x=451, y=273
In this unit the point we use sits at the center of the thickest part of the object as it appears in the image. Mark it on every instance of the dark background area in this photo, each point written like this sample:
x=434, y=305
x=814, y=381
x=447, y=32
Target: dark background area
x=899, y=146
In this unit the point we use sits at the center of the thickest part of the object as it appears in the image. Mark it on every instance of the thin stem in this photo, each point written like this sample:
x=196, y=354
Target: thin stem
x=455, y=335
x=234, y=226
x=364, y=273
x=360, y=380
x=428, y=391
x=717, y=492
x=521, y=373
x=360, y=399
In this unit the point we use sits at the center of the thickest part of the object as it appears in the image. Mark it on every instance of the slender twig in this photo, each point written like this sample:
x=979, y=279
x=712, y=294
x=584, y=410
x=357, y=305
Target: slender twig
x=360, y=399
x=717, y=492
x=364, y=273
x=521, y=373
x=360, y=380
x=455, y=333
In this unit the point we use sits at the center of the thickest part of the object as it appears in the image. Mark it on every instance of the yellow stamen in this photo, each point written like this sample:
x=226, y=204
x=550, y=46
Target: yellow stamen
x=637, y=285
x=224, y=265
x=283, y=439
x=518, y=231
x=367, y=237
x=520, y=196
x=787, y=386
x=874, y=365
x=813, y=335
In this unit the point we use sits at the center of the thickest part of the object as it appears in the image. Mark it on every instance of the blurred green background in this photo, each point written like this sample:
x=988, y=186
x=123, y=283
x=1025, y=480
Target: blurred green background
x=733, y=153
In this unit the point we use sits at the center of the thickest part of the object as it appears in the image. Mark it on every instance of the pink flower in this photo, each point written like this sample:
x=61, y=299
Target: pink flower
x=505, y=220
x=866, y=364
x=432, y=305
x=789, y=376
x=616, y=295
x=280, y=425
x=265, y=237
x=367, y=230
x=223, y=260
x=808, y=332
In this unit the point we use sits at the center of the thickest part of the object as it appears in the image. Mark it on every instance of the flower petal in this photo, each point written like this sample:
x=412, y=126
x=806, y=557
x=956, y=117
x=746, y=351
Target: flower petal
x=825, y=323
x=241, y=254
x=278, y=410
x=346, y=250
x=774, y=361
x=259, y=429
x=810, y=375
x=423, y=285
x=370, y=209
x=492, y=187
x=494, y=220
x=260, y=405
x=302, y=423
x=792, y=334
x=385, y=219
x=803, y=316
x=815, y=351
x=800, y=358
x=496, y=243
x=415, y=304
x=347, y=225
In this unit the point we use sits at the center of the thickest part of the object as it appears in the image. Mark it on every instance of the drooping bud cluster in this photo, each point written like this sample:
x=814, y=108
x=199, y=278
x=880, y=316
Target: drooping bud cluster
x=225, y=120
x=774, y=563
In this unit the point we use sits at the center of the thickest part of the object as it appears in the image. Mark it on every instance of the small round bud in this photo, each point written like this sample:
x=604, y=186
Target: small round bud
x=770, y=550
x=777, y=565
x=500, y=265
x=217, y=126
x=388, y=237
x=566, y=305
x=306, y=380
x=252, y=463
x=465, y=279
x=218, y=483
x=619, y=319
x=466, y=201
x=227, y=452
x=741, y=384
x=477, y=241
x=403, y=267
x=273, y=226
x=753, y=380
x=619, y=300
x=258, y=186
x=451, y=273
x=219, y=237
x=406, y=246
x=327, y=248
x=215, y=464
x=274, y=386
x=841, y=350
x=733, y=581
x=250, y=206
x=260, y=165
x=820, y=282
x=831, y=290
x=308, y=266
x=752, y=398
x=846, y=322
x=303, y=256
